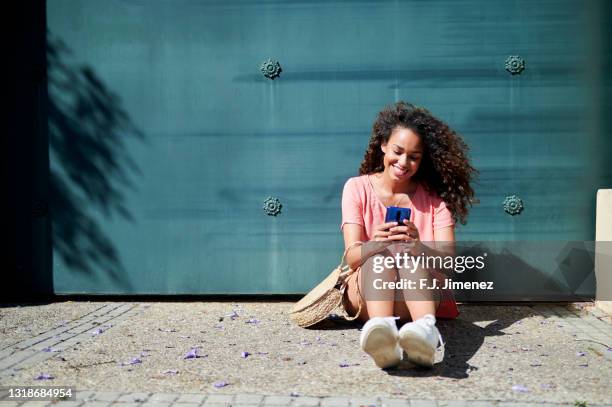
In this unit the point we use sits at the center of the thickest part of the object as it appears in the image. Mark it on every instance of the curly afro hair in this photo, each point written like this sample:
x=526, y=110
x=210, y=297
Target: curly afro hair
x=445, y=167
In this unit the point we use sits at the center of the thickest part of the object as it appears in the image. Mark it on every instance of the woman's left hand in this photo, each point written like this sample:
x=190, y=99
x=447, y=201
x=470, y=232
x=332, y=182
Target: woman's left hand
x=405, y=233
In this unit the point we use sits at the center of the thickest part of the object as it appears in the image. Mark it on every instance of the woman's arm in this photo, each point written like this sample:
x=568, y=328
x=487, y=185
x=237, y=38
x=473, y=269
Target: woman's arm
x=379, y=243
x=444, y=239
x=358, y=254
x=353, y=233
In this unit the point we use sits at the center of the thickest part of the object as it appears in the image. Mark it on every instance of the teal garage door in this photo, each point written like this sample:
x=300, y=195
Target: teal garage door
x=166, y=137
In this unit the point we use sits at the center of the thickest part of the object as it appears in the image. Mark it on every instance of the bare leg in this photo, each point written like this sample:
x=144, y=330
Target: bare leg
x=408, y=305
x=379, y=302
x=423, y=299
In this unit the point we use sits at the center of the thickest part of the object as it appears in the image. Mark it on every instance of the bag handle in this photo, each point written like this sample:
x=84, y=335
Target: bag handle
x=354, y=244
x=345, y=272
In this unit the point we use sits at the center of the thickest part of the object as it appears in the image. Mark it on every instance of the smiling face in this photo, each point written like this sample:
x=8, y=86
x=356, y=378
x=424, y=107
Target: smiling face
x=403, y=154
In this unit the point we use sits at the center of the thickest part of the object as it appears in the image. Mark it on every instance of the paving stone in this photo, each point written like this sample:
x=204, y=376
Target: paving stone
x=219, y=399
x=305, y=401
x=191, y=398
x=454, y=403
x=423, y=403
x=156, y=404
x=247, y=399
x=394, y=402
x=68, y=403
x=362, y=401
x=84, y=394
x=133, y=398
x=37, y=403
x=106, y=395
x=4, y=393
x=88, y=403
x=163, y=397
x=341, y=402
x=277, y=400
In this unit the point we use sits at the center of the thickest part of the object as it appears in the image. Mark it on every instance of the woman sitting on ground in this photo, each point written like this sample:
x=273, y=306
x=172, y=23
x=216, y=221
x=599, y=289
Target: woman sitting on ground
x=415, y=161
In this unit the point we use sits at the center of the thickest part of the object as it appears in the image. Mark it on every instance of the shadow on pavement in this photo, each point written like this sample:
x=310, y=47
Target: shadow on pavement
x=462, y=336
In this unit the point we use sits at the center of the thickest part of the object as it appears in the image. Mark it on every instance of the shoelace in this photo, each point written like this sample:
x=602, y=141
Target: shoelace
x=391, y=320
x=430, y=324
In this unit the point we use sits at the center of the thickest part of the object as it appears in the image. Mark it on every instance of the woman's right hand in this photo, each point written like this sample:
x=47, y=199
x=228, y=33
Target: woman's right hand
x=382, y=232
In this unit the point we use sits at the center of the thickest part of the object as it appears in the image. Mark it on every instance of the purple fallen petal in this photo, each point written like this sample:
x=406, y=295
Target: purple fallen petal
x=50, y=349
x=97, y=331
x=170, y=372
x=535, y=364
x=520, y=388
x=344, y=364
x=245, y=354
x=580, y=354
x=294, y=394
x=192, y=354
x=233, y=315
x=220, y=384
x=44, y=376
x=252, y=321
x=134, y=361
x=545, y=386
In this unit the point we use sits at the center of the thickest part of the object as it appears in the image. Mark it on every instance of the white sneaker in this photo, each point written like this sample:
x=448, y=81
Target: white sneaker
x=420, y=340
x=379, y=340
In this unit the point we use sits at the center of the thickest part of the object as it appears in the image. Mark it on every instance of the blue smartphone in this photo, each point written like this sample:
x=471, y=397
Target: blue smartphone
x=397, y=214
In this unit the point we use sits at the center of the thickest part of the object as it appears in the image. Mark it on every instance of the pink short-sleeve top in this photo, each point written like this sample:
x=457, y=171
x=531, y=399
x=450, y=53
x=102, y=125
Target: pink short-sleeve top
x=361, y=205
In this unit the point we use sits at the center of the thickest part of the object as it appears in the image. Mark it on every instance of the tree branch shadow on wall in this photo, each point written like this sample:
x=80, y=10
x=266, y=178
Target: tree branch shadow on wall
x=90, y=166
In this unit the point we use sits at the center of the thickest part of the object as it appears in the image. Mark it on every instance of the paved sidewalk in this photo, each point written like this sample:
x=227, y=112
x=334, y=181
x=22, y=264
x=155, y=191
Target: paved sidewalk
x=249, y=353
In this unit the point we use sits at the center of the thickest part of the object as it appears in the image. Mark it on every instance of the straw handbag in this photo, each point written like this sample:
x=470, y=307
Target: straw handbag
x=326, y=296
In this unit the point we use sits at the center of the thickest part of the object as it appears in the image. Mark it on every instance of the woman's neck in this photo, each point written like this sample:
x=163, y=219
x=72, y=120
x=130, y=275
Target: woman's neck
x=408, y=186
